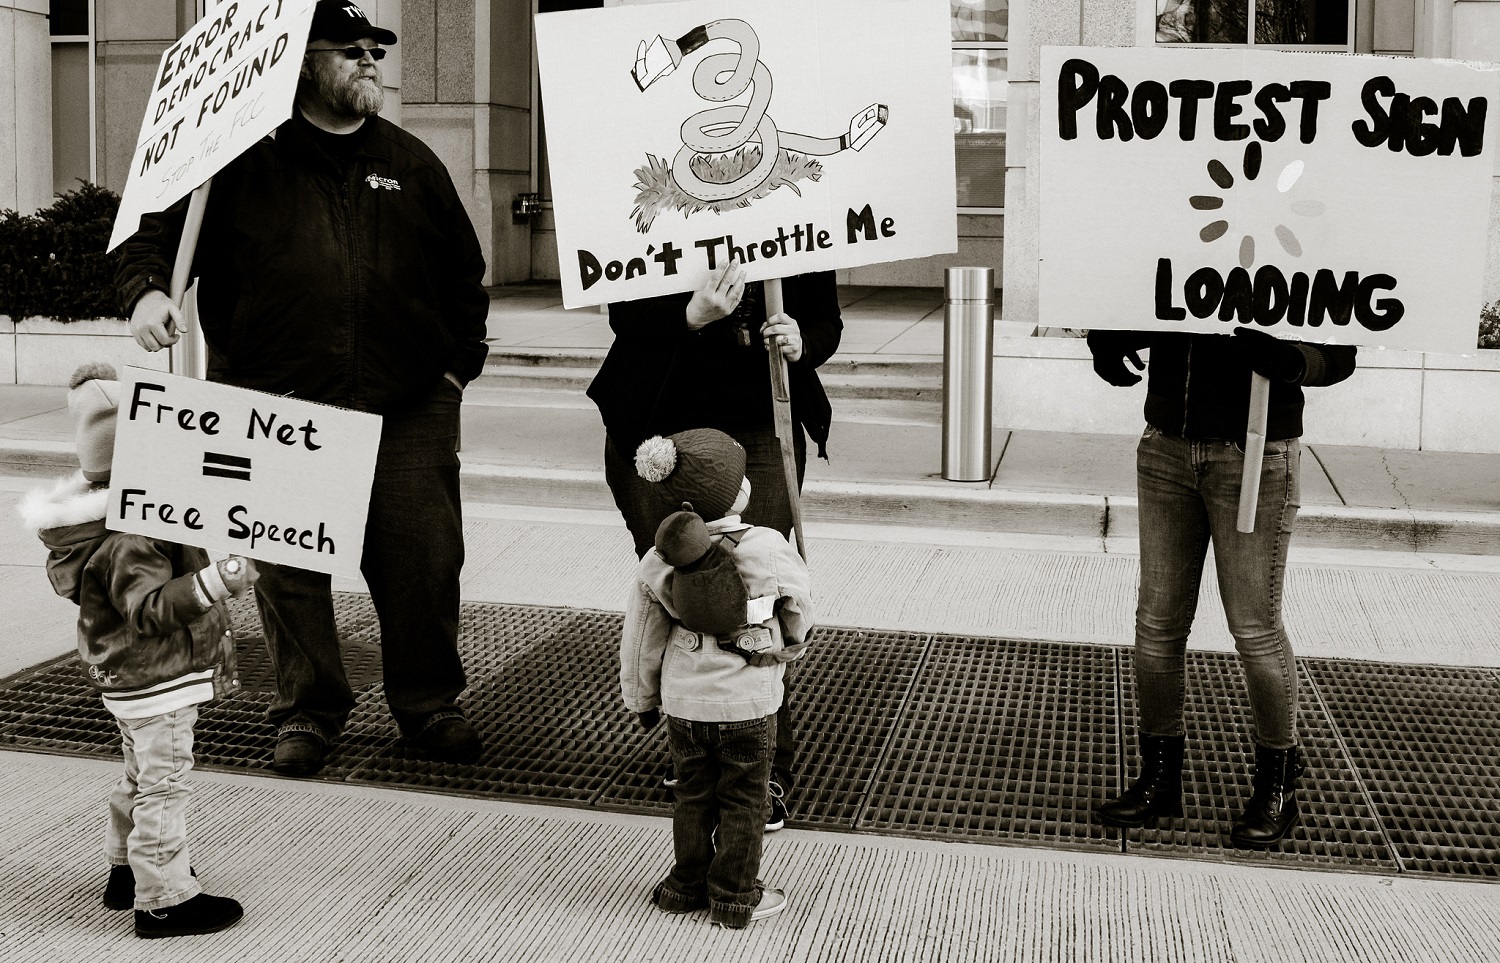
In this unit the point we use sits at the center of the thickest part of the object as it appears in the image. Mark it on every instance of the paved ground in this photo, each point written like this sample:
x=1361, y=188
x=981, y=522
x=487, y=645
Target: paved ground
x=335, y=872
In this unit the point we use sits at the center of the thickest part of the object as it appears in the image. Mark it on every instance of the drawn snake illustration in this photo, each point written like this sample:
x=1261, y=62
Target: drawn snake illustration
x=720, y=130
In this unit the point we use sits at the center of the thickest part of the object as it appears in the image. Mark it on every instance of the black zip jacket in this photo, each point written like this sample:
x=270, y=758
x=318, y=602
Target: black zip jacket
x=660, y=378
x=355, y=285
x=1198, y=385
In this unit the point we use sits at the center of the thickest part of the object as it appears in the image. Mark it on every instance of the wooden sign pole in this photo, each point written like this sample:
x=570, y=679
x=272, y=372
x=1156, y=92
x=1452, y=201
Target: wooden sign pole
x=1255, y=450
x=781, y=403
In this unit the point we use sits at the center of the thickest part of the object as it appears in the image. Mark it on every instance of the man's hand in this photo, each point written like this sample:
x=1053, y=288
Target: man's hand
x=649, y=718
x=156, y=322
x=781, y=330
x=718, y=297
x=1269, y=356
x=1109, y=359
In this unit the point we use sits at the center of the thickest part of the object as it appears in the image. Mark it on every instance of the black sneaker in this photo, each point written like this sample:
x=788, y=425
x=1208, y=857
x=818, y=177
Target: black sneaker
x=201, y=914
x=119, y=892
x=299, y=753
x=450, y=739
x=777, y=819
x=669, y=778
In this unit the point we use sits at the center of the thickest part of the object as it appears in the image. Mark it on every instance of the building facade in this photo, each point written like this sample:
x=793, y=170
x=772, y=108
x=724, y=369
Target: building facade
x=74, y=77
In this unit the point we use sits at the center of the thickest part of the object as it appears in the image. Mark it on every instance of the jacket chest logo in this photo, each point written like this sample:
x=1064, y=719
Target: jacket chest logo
x=376, y=182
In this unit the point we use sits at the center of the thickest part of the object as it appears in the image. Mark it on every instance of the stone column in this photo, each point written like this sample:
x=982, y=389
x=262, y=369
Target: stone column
x=25, y=106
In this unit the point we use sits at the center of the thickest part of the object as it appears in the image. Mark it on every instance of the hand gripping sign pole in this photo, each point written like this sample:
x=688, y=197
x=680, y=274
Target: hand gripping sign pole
x=781, y=404
x=1255, y=449
x=188, y=356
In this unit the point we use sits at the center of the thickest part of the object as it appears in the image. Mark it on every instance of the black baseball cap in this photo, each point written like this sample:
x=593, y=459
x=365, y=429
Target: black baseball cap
x=342, y=21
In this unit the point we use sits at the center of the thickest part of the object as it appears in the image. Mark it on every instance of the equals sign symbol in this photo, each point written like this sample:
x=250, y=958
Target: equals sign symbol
x=226, y=466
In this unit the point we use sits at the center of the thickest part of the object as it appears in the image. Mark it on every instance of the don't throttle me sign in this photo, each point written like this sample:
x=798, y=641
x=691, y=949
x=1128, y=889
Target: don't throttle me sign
x=254, y=474
x=790, y=135
x=1316, y=197
x=224, y=85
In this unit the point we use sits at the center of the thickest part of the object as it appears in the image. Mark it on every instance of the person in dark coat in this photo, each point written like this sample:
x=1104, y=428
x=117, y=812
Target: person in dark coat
x=337, y=264
x=1188, y=471
x=698, y=360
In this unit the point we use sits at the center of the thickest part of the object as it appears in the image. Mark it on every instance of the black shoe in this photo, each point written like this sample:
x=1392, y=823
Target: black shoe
x=450, y=739
x=1272, y=810
x=669, y=778
x=201, y=914
x=1156, y=792
x=299, y=754
x=119, y=892
x=777, y=819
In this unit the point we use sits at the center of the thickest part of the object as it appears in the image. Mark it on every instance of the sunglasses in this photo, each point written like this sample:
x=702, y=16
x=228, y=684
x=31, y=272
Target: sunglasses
x=352, y=52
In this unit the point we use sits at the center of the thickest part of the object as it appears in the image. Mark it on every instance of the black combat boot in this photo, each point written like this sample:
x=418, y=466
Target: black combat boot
x=1272, y=810
x=1157, y=791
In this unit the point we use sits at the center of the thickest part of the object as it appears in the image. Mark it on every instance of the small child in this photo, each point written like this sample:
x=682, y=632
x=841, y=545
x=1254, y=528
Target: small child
x=716, y=611
x=154, y=637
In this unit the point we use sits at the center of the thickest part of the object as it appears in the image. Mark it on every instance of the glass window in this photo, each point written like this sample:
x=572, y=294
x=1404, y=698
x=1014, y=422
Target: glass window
x=980, y=60
x=68, y=18
x=1272, y=23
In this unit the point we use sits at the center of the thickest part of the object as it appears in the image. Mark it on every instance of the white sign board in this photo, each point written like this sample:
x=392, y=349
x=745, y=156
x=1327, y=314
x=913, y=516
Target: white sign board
x=227, y=83
x=1322, y=198
x=794, y=135
x=254, y=474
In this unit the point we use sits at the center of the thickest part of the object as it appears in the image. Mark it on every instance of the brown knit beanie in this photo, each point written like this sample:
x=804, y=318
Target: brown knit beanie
x=93, y=397
x=701, y=466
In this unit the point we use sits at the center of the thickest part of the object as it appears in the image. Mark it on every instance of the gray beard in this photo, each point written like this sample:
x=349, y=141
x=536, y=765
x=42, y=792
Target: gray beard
x=355, y=97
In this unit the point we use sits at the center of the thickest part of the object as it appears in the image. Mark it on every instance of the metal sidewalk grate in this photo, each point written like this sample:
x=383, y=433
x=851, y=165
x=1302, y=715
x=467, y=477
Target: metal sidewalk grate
x=937, y=736
x=1002, y=740
x=1424, y=742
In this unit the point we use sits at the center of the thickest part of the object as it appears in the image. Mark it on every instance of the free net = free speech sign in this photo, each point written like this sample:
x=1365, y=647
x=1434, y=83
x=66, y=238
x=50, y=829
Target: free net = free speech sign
x=270, y=478
x=1318, y=197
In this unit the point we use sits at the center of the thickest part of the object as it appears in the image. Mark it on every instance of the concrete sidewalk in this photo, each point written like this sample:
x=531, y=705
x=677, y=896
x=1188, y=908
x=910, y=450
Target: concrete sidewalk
x=334, y=872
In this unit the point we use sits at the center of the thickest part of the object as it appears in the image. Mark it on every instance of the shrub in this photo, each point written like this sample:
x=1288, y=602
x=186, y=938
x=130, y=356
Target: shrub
x=1489, y=326
x=53, y=262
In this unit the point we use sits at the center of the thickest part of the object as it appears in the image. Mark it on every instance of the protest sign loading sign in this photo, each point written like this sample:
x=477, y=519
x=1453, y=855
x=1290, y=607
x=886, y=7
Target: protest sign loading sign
x=259, y=475
x=224, y=85
x=792, y=135
x=1322, y=198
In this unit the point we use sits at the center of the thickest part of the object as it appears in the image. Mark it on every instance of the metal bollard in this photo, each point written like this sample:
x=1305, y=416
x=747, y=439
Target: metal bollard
x=968, y=372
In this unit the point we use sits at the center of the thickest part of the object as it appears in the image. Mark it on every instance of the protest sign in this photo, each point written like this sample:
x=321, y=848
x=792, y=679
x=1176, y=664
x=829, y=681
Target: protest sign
x=1322, y=198
x=793, y=135
x=259, y=475
x=224, y=85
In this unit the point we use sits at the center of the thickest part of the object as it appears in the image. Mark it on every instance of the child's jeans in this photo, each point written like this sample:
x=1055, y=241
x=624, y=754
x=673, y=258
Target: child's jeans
x=148, y=808
x=723, y=800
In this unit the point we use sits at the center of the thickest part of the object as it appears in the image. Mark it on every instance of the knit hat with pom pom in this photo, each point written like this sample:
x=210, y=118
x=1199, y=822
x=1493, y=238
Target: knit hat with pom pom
x=93, y=397
x=701, y=466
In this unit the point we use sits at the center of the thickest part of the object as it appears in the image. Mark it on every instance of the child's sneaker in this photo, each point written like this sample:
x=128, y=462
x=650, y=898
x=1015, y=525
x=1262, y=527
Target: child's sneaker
x=669, y=778
x=772, y=901
x=777, y=819
x=201, y=914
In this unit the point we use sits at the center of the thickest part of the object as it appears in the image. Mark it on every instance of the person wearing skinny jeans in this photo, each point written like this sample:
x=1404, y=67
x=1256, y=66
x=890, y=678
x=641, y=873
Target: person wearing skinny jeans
x=1188, y=470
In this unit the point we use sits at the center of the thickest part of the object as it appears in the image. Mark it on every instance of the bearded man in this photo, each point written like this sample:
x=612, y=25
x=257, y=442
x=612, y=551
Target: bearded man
x=336, y=264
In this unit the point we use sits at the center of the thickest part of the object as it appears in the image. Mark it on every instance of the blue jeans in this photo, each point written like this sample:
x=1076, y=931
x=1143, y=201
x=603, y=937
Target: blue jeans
x=1189, y=492
x=413, y=555
x=148, y=807
x=723, y=771
x=643, y=511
